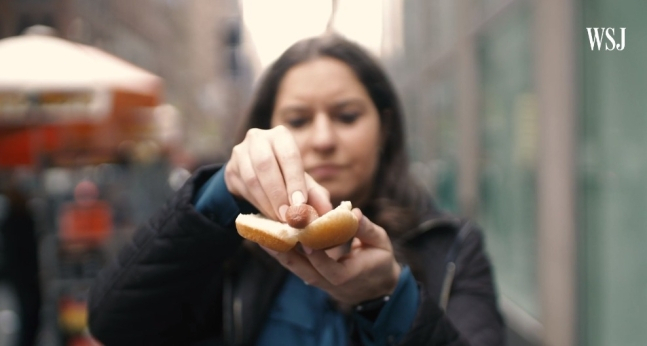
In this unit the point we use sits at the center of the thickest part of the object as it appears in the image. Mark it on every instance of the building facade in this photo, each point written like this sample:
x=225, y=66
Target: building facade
x=521, y=123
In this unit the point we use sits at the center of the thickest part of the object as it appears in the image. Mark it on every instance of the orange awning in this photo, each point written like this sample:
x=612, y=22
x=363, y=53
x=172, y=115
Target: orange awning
x=58, y=96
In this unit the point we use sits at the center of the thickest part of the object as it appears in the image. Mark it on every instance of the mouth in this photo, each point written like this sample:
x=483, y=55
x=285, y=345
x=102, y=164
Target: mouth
x=325, y=172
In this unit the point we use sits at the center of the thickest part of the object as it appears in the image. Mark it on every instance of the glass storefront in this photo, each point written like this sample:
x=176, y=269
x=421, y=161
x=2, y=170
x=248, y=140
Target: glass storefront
x=508, y=120
x=513, y=51
x=612, y=178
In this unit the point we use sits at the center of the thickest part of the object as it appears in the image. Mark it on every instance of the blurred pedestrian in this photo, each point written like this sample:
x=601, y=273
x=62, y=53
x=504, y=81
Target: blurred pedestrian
x=20, y=241
x=325, y=126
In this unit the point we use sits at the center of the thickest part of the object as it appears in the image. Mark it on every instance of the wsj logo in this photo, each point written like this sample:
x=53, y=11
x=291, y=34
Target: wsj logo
x=597, y=36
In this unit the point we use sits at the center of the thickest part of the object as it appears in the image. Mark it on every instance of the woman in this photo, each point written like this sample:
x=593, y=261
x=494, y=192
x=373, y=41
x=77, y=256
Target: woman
x=325, y=126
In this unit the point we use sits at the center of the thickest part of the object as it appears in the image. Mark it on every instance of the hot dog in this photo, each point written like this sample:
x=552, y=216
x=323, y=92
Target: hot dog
x=331, y=229
x=300, y=216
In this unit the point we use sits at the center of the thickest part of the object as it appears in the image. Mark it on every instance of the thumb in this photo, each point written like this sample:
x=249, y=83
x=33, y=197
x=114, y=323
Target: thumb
x=371, y=234
x=318, y=196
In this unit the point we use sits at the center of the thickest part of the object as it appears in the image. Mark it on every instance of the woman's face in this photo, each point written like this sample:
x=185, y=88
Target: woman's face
x=335, y=124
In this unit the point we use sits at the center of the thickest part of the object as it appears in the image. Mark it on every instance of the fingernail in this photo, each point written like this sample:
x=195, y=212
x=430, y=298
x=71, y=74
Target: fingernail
x=307, y=250
x=298, y=198
x=282, y=210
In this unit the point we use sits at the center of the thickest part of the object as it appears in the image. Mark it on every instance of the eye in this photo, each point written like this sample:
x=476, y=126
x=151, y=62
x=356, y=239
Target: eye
x=297, y=122
x=348, y=117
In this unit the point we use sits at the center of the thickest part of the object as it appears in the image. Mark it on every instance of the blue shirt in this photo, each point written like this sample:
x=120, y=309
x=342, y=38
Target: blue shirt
x=303, y=314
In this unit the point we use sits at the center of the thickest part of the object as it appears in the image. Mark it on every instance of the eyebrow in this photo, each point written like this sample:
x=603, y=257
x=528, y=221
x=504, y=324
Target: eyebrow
x=348, y=102
x=293, y=109
x=296, y=108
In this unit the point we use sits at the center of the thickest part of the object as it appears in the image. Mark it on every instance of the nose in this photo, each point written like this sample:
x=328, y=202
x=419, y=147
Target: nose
x=323, y=137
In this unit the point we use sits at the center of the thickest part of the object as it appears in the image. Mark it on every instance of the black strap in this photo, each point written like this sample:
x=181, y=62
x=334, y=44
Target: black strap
x=450, y=262
x=463, y=232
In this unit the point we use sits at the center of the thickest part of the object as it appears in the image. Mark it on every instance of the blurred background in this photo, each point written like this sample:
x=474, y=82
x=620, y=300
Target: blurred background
x=515, y=120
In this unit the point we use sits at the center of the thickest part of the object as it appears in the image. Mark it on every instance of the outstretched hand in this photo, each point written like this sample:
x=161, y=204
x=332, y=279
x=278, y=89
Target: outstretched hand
x=368, y=270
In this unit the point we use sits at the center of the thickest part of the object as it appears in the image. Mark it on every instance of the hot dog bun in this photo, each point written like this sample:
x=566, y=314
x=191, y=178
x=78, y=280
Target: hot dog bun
x=333, y=228
x=269, y=233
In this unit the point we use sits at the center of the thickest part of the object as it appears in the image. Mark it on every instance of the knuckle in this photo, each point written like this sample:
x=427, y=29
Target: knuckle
x=251, y=181
x=231, y=173
x=276, y=193
x=287, y=261
x=252, y=133
x=292, y=156
x=264, y=163
x=280, y=129
x=338, y=280
x=237, y=150
x=313, y=282
x=255, y=134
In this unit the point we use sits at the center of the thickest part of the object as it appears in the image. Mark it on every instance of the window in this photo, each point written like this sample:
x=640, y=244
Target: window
x=507, y=196
x=613, y=179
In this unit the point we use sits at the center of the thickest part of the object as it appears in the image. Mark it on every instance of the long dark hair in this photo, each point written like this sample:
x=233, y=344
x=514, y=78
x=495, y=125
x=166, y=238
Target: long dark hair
x=397, y=201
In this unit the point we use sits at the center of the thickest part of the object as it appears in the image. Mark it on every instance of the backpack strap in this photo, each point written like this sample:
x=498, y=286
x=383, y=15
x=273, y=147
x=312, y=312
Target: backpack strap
x=465, y=229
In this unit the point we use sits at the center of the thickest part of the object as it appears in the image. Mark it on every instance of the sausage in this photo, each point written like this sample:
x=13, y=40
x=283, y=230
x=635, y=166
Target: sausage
x=300, y=216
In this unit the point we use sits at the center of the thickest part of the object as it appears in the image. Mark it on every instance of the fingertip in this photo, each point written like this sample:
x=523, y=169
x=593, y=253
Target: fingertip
x=360, y=217
x=317, y=196
x=298, y=198
x=356, y=243
x=319, y=200
x=282, y=212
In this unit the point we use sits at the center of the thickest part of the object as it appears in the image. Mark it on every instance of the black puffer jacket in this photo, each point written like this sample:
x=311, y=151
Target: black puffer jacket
x=184, y=279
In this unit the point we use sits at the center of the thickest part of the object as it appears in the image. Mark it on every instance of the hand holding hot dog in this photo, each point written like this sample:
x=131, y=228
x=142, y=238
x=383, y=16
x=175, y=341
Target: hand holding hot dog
x=266, y=170
x=366, y=271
